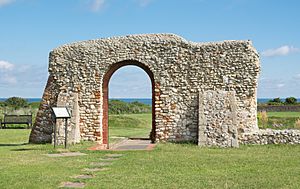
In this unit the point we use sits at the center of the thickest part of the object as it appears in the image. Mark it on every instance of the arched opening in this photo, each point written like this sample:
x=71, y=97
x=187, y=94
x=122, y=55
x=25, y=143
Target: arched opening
x=106, y=80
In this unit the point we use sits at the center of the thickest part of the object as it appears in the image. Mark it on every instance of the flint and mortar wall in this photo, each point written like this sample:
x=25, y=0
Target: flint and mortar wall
x=270, y=136
x=180, y=69
x=217, y=119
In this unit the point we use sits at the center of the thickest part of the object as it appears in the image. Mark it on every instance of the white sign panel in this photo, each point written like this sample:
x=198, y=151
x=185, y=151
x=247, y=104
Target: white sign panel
x=61, y=112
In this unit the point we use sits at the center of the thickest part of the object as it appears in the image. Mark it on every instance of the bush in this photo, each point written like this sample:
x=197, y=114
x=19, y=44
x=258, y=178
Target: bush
x=2, y=104
x=291, y=100
x=16, y=102
x=35, y=105
x=275, y=101
x=120, y=107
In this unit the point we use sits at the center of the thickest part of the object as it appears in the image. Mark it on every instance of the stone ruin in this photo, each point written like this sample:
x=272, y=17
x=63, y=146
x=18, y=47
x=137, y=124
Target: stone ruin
x=201, y=92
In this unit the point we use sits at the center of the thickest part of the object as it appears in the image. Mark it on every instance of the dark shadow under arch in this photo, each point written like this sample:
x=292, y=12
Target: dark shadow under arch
x=107, y=76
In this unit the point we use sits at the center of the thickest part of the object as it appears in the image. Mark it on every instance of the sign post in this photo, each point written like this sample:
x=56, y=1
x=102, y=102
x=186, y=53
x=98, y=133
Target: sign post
x=61, y=113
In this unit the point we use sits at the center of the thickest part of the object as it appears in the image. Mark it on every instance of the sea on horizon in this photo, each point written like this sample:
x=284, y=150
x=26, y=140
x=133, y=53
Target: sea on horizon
x=141, y=100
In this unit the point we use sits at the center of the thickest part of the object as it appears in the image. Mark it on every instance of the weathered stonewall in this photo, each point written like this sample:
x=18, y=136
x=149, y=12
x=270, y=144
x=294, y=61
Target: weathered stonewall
x=270, y=136
x=180, y=71
x=217, y=119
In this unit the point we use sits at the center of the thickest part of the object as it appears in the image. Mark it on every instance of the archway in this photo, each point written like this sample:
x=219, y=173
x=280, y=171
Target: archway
x=112, y=69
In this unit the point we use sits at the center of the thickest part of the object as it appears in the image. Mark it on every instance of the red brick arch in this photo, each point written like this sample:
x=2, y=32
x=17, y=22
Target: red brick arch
x=106, y=79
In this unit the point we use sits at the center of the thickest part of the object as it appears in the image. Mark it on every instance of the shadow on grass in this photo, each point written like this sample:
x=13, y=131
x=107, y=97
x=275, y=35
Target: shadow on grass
x=17, y=149
x=189, y=142
x=22, y=149
x=22, y=144
x=16, y=127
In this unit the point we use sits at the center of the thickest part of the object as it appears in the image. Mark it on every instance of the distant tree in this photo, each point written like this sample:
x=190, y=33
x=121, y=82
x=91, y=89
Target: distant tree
x=120, y=107
x=291, y=100
x=275, y=101
x=16, y=102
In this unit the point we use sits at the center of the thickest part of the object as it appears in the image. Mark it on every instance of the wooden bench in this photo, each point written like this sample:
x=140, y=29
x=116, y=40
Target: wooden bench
x=16, y=119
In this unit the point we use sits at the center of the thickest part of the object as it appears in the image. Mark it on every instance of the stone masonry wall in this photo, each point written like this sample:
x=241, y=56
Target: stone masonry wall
x=43, y=126
x=270, y=136
x=217, y=119
x=180, y=69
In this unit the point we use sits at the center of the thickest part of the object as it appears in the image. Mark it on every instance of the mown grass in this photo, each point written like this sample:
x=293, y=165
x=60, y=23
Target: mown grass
x=284, y=114
x=25, y=165
x=279, y=120
x=130, y=125
x=167, y=166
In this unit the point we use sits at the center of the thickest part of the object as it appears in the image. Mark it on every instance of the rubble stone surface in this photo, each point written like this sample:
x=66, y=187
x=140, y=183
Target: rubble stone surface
x=181, y=71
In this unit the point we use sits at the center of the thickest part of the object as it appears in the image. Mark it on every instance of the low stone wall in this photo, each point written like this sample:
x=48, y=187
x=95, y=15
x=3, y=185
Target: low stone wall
x=276, y=108
x=270, y=136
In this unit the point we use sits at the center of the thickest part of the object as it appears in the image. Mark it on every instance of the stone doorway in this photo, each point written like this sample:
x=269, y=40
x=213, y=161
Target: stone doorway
x=112, y=69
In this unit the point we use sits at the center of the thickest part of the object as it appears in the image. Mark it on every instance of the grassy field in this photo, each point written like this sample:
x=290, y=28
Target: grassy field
x=280, y=120
x=130, y=125
x=167, y=166
x=284, y=114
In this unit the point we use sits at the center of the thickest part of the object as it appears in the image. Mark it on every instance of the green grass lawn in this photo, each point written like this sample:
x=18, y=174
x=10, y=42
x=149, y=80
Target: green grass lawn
x=284, y=114
x=130, y=125
x=167, y=166
x=280, y=120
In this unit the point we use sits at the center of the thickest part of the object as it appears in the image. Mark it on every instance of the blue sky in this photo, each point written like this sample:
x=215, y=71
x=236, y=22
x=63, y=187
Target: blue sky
x=29, y=29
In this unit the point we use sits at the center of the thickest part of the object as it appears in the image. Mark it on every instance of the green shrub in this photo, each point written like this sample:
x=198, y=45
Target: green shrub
x=2, y=104
x=16, y=102
x=291, y=100
x=275, y=101
x=35, y=105
x=120, y=107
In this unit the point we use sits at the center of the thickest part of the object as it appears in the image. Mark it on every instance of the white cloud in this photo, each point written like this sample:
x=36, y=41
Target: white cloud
x=130, y=82
x=144, y=3
x=9, y=79
x=4, y=65
x=280, y=85
x=25, y=80
x=297, y=76
x=6, y=78
x=96, y=5
x=272, y=84
x=5, y=2
x=281, y=51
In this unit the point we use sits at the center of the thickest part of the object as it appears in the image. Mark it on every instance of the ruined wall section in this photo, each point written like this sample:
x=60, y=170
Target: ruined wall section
x=270, y=136
x=43, y=127
x=217, y=119
x=180, y=70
